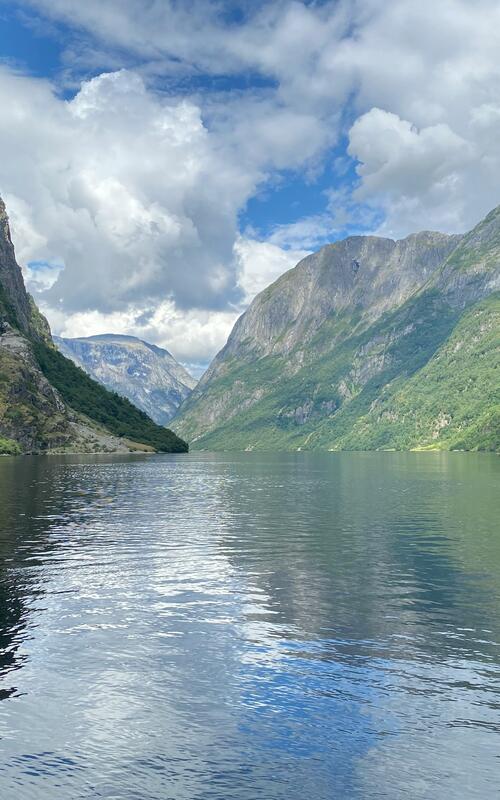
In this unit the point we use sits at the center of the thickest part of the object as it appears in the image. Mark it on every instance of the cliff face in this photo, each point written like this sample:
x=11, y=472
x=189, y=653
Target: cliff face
x=365, y=274
x=149, y=376
x=14, y=301
x=351, y=349
x=46, y=403
x=31, y=411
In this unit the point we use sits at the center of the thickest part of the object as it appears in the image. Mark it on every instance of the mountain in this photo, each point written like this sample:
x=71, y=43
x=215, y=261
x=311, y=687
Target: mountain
x=369, y=343
x=46, y=402
x=149, y=376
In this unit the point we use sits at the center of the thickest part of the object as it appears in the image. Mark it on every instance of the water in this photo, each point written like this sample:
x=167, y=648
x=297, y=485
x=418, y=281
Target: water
x=250, y=626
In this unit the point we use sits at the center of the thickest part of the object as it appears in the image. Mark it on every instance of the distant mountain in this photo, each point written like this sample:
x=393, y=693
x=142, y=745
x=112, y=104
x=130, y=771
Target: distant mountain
x=368, y=344
x=46, y=402
x=149, y=376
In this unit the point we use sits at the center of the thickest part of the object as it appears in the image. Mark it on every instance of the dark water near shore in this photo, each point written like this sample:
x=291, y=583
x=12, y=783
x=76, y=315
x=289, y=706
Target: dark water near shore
x=250, y=626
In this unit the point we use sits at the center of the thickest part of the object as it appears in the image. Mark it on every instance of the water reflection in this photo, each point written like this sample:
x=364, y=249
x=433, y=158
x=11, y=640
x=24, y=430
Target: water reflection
x=244, y=626
x=377, y=549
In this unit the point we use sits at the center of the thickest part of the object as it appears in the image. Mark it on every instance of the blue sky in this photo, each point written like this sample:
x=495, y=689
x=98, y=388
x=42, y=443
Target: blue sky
x=20, y=46
x=169, y=160
x=31, y=43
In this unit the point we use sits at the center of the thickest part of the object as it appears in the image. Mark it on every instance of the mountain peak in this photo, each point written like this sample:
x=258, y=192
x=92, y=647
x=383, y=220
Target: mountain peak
x=147, y=375
x=124, y=339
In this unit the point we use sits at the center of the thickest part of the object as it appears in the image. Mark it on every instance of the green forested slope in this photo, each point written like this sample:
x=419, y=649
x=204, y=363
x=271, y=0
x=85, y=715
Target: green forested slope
x=434, y=387
x=33, y=417
x=423, y=373
x=453, y=401
x=115, y=413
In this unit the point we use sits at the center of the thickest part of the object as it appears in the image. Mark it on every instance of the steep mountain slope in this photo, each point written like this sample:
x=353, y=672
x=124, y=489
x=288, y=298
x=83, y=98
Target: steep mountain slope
x=368, y=343
x=149, y=376
x=46, y=402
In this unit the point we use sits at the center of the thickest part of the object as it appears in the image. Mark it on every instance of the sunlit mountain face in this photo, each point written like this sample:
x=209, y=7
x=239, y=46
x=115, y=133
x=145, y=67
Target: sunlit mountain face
x=367, y=344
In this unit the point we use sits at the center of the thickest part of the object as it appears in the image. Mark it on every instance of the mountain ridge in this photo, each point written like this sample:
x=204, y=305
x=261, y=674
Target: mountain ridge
x=148, y=375
x=111, y=337
x=330, y=340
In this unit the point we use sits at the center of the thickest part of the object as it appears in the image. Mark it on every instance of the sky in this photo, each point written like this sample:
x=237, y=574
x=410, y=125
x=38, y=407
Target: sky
x=165, y=160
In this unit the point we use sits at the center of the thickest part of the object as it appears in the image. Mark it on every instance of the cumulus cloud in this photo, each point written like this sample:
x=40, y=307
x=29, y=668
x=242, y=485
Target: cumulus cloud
x=135, y=185
x=125, y=189
x=122, y=199
x=398, y=158
x=194, y=335
x=260, y=263
x=427, y=102
x=405, y=167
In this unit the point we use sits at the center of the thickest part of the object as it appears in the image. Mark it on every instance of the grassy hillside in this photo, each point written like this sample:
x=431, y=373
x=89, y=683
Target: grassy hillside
x=367, y=344
x=452, y=402
x=421, y=377
x=116, y=413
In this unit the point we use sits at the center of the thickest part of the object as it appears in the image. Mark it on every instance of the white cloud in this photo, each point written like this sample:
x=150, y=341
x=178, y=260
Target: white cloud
x=405, y=168
x=191, y=336
x=433, y=65
x=194, y=335
x=125, y=189
x=133, y=201
x=400, y=159
x=261, y=263
x=430, y=177
x=138, y=190
x=428, y=98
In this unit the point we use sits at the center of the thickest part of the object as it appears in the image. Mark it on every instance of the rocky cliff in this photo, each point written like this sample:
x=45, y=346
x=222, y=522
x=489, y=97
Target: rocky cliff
x=149, y=376
x=369, y=343
x=46, y=402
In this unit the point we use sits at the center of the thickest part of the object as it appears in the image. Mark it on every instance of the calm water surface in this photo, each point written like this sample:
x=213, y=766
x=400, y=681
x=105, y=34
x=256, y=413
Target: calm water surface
x=250, y=626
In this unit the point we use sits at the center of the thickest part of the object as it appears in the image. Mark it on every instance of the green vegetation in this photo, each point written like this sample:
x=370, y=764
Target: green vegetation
x=27, y=413
x=8, y=447
x=421, y=377
x=114, y=412
x=452, y=402
x=38, y=323
x=479, y=246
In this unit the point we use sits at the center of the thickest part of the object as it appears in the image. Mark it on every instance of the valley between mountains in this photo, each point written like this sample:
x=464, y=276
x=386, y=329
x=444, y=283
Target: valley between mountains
x=368, y=344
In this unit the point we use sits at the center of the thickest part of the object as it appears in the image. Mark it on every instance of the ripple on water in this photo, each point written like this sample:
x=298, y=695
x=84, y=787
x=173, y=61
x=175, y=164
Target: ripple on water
x=242, y=626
